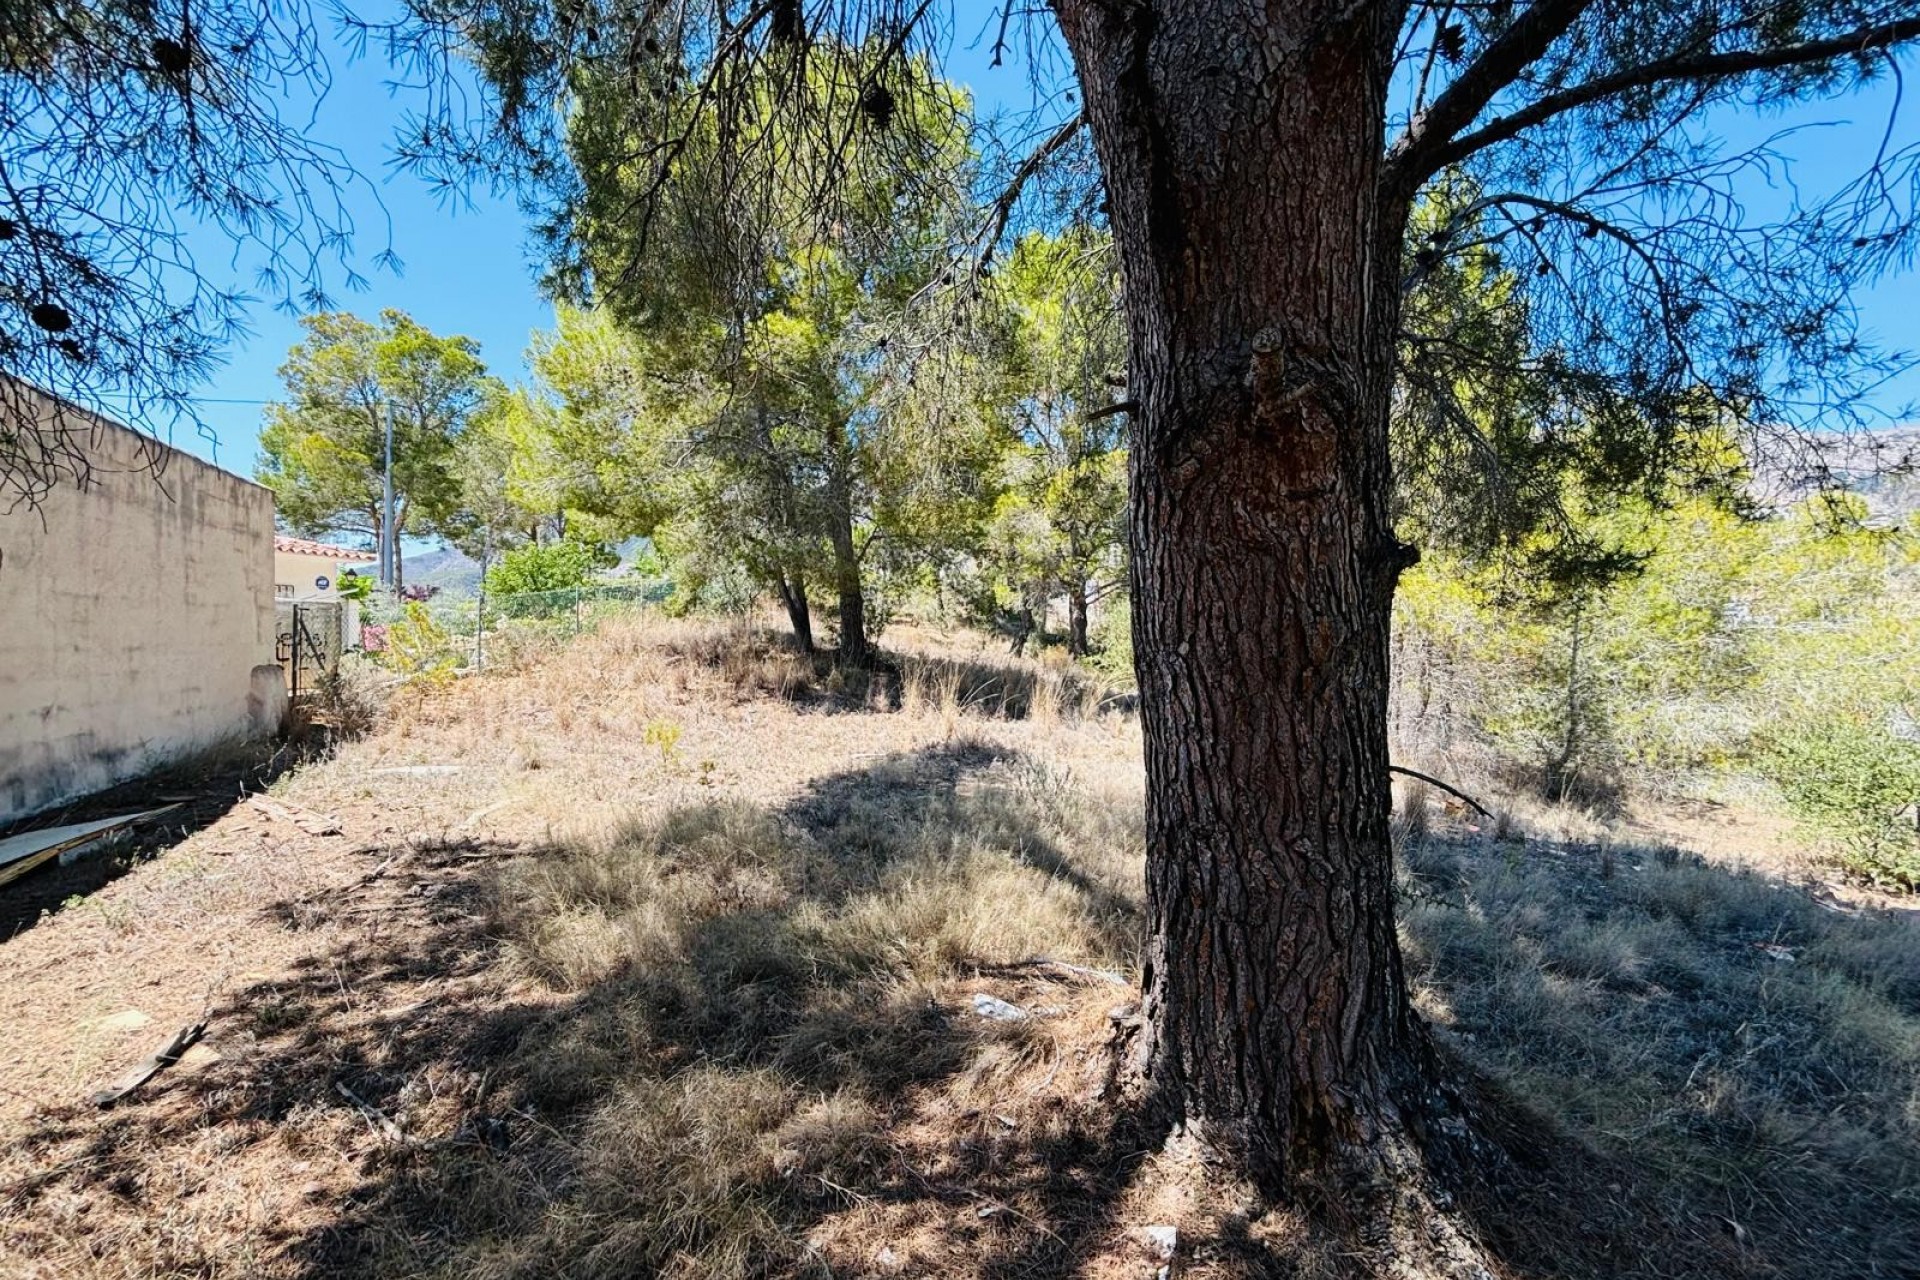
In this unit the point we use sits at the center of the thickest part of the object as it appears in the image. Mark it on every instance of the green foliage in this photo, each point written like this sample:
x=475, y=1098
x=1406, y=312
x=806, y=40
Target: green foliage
x=1058, y=526
x=665, y=735
x=1779, y=645
x=554, y=566
x=1112, y=654
x=419, y=647
x=355, y=586
x=734, y=395
x=591, y=437
x=1859, y=783
x=1503, y=451
x=495, y=512
x=322, y=448
x=541, y=579
x=162, y=179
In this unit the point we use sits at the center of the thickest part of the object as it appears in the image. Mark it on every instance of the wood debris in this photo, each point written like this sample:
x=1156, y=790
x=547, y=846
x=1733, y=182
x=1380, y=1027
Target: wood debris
x=314, y=824
x=156, y=1062
x=23, y=852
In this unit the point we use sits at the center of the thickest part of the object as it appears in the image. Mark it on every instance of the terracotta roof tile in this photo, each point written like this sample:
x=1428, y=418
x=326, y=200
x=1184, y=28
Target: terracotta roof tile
x=302, y=547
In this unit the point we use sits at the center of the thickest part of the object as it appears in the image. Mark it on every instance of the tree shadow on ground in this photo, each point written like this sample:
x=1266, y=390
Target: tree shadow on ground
x=737, y=1041
x=1700, y=1070
x=774, y=1050
x=757, y=662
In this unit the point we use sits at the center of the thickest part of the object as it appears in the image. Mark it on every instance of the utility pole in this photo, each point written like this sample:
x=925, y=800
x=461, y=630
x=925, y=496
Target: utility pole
x=387, y=543
x=480, y=610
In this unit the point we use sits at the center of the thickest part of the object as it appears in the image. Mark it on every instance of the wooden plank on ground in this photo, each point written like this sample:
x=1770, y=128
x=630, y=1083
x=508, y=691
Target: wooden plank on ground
x=21, y=853
x=156, y=1062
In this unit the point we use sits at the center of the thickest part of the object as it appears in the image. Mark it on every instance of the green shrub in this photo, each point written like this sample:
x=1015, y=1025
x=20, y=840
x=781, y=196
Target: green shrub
x=1856, y=783
x=354, y=586
x=420, y=647
x=537, y=580
x=1112, y=637
x=553, y=566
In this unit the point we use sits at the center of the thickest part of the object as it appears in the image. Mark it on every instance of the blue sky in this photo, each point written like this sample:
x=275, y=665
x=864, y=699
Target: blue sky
x=467, y=266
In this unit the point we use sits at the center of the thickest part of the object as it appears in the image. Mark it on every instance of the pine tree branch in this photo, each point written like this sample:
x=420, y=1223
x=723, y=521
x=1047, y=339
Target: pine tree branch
x=1409, y=159
x=1001, y=211
x=1688, y=66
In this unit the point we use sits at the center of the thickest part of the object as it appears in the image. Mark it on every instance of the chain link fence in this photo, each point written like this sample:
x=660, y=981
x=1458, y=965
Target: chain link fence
x=309, y=637
x=449, y=633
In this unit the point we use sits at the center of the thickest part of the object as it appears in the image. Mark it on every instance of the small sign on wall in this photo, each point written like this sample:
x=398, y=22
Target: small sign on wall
x=323, y=582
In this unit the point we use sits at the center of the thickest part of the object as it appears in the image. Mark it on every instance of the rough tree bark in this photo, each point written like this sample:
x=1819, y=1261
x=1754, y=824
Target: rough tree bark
x=1241, y=143
x=846, y=583
x=1022, y=629
x=1077, y=618
x=854, y=650
x=851, y=601
x=792, y=585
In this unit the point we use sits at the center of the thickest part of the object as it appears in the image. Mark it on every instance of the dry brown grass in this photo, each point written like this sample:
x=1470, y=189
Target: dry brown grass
x=667, y=968
x=1747, y=1048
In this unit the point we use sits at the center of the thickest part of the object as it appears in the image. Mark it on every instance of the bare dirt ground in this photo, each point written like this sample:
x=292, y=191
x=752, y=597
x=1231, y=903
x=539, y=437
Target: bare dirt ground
x=665, y=956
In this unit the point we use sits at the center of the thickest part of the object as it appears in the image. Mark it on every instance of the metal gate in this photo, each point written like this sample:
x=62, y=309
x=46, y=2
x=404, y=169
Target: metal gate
x=310, y=637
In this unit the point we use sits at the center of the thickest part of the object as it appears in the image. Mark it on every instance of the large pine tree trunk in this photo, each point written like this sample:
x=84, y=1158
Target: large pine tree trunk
x=1241, y=143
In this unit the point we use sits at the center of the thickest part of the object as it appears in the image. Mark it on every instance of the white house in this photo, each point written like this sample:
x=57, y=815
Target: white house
x=306, y=572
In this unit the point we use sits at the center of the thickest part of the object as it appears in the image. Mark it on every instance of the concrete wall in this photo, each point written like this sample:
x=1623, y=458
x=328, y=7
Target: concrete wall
x=132, y=612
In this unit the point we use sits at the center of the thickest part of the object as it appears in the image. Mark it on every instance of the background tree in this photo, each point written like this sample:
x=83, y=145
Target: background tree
x=589, y=434
x=1062, y=514
x=1261, y=164
x=1746, y=641
x=636, y=437
x=787, y=449
x=809, y=453
x=538, y=580
x=1608, y=640
x=322, y=449
x=491, y=516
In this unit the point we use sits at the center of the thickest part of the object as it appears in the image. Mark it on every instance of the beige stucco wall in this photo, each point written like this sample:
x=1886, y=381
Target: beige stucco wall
x=301, y=571
x=132, y=612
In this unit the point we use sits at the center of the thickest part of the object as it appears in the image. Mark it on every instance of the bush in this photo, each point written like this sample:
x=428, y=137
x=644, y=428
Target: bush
x=349, y=698
x=417, y=646
x=1855, y=782
x=1112, y=638
x=556, y=566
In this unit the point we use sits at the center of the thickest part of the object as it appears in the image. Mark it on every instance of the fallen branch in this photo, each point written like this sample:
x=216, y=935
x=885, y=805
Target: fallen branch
x=1078, y=970
x=314, y=824
x=158, y=1061
x=375, y=1116
x=1450, y=790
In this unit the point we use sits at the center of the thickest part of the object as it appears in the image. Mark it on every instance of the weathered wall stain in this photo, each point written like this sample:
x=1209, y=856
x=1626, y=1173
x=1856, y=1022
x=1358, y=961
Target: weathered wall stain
x=133, y=610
